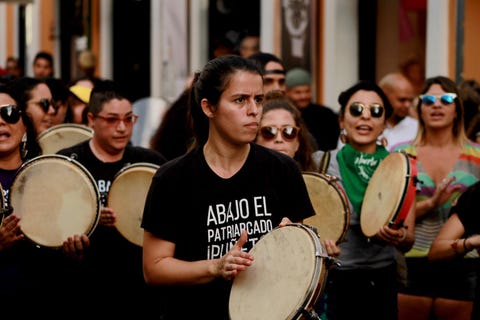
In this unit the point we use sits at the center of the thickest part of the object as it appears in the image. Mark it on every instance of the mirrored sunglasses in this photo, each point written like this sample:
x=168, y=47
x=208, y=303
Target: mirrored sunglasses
x=356, y=109
x=429, y=99
x=10, y=113
x=288, y=132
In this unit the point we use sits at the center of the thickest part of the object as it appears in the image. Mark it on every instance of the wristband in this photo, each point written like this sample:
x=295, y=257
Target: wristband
x=454, y=246
x=465, y=246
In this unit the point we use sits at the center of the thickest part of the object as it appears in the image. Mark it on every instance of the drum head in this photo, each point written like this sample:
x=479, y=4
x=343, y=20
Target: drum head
x=127, y=196
x=385, y=193
x=332, y=213
x=63, y=136
x=286, y=276
x=56, y=197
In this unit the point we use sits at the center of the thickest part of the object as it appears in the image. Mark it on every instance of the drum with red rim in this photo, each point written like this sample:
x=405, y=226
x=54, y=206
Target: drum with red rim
x=390, y=193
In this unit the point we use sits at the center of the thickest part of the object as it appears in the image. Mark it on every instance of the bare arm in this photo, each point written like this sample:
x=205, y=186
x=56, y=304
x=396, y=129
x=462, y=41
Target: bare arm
x=448, y=243
x=161, y=268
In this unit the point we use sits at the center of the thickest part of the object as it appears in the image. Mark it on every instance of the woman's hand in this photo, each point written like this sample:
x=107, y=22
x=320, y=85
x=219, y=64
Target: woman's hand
x=10, y=231
x=235, y=260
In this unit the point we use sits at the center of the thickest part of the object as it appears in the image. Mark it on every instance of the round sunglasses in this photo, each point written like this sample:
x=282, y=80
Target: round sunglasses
x=356, y=109
x=288, y=132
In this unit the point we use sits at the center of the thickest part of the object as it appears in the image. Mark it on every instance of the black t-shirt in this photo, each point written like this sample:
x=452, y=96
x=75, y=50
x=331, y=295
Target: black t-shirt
x=113, y=265
x=203, y=214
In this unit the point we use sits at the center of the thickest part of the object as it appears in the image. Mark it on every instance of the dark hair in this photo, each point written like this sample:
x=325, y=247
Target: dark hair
x=58, y=89
x=364, y=85
x=44, y=55
x=470, y=95
x=23, y=87
x=103, y=92
x=174, y=135
x=14, y=90
x=262, y=58
x=209, y=84
x=276, y=100
x=447, y=85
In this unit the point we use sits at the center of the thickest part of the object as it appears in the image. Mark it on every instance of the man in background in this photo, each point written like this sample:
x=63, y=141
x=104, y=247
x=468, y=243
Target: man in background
x=273, y=71
x=322, y=122
x=401, y=126
x=43, y=65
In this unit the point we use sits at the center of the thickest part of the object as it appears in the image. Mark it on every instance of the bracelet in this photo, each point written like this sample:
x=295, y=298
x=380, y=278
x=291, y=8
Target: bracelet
x=454, y=246
x=465, y=246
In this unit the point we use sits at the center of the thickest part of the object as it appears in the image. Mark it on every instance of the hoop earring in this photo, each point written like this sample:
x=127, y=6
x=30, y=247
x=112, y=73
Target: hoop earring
x=343, y=136
x=23, y=148
x=384, y=142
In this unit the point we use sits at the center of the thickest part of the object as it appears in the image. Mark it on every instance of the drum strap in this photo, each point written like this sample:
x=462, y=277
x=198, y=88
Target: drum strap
x=322, y=168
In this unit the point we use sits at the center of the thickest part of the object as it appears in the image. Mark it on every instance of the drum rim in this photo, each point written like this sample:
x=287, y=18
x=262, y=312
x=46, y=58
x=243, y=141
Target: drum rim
x=84, y=170
x=121, y=172
x=135, y=165
x=315, y=288
x=333, y=182
x=408, y=178
x=63, y=126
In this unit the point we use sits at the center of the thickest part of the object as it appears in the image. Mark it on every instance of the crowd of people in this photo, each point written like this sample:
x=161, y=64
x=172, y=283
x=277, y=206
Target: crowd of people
x=231, y=151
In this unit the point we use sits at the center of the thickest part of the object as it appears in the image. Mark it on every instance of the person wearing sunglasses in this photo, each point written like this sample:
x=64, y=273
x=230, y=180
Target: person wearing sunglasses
x=282, y=129
x=37, y=97
x=447, y=164
x=60, y=94
x=112, y=265
x=367, y=274
x=26, y=271
x=201, y=205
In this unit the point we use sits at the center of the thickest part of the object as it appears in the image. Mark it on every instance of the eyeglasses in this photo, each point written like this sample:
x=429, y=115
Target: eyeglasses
x=288, y=132
x=356, y=109
x=10, y=113
x=429, y=99
x=45, y=105
x=114, y=121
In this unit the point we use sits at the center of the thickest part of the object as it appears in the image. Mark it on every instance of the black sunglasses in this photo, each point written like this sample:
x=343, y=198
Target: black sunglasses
x=288, y=132
x=10, y=113
x=356, y=110
x=45, y=105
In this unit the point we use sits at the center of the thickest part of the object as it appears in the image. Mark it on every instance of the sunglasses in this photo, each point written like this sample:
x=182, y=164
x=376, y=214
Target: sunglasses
x=429, y=99
x=10, y=113
x=45, y=105
x=288, y=132
x=115, y=121
x=356, y=110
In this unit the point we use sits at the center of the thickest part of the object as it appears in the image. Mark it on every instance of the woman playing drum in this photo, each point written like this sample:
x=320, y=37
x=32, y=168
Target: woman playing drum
x=206, y=209
x=364, y=285
x=26, y=271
